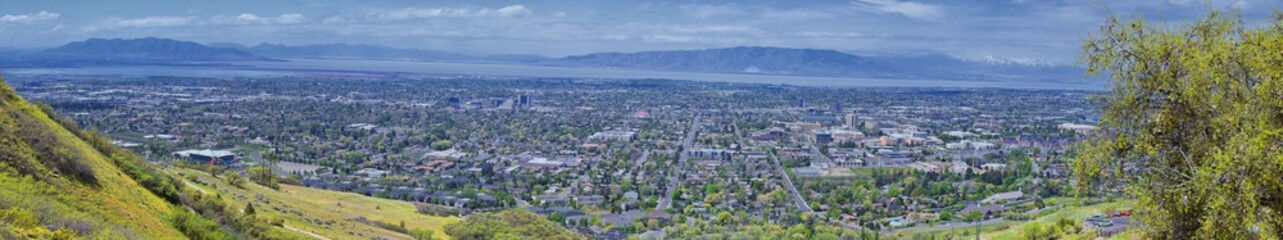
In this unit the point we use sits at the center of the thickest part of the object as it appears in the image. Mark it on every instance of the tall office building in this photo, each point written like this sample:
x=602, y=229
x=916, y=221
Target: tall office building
x=523, y=99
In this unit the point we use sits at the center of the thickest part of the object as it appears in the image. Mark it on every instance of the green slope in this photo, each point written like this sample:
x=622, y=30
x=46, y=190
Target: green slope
x=54, y=184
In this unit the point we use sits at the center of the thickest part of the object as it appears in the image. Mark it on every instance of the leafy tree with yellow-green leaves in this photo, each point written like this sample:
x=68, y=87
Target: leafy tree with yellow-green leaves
x=1192, y=126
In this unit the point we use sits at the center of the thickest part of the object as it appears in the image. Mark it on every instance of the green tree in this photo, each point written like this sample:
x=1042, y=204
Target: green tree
x=1192, y=125
x=249, y=209
x=263, y=176
x=234, y=179
x=442, y=145
x=724, y=217
x=421, y=234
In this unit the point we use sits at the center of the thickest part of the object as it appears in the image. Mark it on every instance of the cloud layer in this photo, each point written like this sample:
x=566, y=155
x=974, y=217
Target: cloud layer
x=29, y=18
x=1038, y=29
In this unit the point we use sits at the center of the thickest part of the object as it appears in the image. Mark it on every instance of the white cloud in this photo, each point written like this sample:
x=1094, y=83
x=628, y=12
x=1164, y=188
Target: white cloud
x=250, y=18
x=701, y=11
x=29, y=18
x=512, y=11
x=824, y=34
x=146, y=22
x=724, y=29
x=919, y=11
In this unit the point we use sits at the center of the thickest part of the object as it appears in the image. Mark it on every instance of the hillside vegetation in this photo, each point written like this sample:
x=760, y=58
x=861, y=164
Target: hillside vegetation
x=55, y=185
x=509, y=224
x=58, y=182
x=1192, y=125
x=332, y=214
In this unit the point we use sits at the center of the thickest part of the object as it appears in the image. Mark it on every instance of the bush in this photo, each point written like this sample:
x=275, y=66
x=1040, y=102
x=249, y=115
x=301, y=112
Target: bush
x=435, y=210
x=421, y=234
x=393, y=227
x=263, y=176
x=195, y=227
x=234, y=179
x=509, y=224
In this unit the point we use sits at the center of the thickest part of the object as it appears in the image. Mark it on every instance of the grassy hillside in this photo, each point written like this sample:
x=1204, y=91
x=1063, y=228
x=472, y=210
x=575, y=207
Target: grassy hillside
x=58, y=182
x=53, y=184
x=1060, y=221
x=336, y=215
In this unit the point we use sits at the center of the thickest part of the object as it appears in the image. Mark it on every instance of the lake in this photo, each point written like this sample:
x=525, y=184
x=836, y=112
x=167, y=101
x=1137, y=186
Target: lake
x=268, y=69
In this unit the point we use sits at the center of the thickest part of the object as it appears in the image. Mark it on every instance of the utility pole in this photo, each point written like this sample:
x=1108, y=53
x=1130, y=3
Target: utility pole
x=978, y=220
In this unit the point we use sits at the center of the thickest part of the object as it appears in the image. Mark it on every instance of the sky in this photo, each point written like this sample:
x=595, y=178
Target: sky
x=1045, y=30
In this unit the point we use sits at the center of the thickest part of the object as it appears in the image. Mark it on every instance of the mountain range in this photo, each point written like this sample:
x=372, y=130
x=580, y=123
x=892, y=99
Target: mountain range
x=146, y=49
x=814, y=62
x=739, y=60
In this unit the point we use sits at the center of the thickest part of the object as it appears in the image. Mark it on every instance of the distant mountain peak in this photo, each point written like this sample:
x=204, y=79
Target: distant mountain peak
x=822, y=62
x=148, y=49
x=996, y=60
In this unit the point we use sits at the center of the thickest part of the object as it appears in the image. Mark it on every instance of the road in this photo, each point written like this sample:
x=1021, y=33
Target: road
x=687, y=142
x=193, y=186
x=313, y=235
x=953, y=225
x=645, y=157
x=798, y=201
x=788, y=183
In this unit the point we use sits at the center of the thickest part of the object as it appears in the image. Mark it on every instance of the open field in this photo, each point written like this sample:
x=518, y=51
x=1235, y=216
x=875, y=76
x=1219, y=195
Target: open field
x=1049, y=217
x=332, y=214
x=1059, y=208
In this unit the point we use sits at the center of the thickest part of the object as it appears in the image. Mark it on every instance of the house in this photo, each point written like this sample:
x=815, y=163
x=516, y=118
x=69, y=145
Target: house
x=608, y=136
x=822, y=119
x=985, y=211
x=434, y=166
x=543, y=163
x=372, y=173
x=622, y=219
x=993, y=166
x=1076, y=128
x=807, y=172
x=1003, y=197
x=768, y=134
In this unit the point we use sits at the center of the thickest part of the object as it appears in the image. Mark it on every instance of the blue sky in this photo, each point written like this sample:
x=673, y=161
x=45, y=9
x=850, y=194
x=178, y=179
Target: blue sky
x=1049, y=30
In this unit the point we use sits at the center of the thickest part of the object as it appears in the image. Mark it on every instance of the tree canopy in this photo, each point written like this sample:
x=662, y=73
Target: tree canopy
x=509, y=224
x=1192, y=124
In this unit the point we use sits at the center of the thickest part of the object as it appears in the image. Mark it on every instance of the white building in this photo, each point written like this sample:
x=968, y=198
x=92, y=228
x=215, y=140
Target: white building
x=607, y=136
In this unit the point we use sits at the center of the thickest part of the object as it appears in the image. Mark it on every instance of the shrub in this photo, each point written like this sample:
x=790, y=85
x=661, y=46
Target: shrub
x=393, y=227
x=234, y=179
x=421, y=234
x=195, y=227
x=263, y=176
x=435, y=210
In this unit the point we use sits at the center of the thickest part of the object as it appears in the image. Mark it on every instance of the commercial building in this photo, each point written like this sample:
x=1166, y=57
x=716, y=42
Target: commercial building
x=206, y=156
